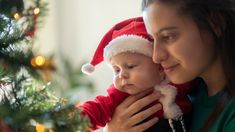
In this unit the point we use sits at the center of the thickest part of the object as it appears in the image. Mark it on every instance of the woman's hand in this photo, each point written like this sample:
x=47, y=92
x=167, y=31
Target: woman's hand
x=127, y=115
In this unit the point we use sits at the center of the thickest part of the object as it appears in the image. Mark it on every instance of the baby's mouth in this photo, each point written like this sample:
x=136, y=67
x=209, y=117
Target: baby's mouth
x=127, y=85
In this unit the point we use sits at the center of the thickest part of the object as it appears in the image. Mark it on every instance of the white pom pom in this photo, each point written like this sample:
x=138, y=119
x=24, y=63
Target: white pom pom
x=88, y=69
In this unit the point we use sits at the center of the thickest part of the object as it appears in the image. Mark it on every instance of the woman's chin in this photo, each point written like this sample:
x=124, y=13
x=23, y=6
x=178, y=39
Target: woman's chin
x=178, y=80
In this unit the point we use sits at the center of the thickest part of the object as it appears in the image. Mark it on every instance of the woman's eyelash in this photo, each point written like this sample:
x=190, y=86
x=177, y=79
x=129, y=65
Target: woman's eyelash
x=168, y=37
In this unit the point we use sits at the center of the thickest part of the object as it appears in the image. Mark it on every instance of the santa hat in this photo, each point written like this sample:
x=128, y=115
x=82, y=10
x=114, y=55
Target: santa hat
x=127, y=36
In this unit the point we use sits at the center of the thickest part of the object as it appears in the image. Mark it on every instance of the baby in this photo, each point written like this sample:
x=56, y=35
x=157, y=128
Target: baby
x=127, y=48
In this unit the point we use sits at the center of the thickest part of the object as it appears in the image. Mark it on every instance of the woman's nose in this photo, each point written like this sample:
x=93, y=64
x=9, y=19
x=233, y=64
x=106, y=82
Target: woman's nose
x=159, y=54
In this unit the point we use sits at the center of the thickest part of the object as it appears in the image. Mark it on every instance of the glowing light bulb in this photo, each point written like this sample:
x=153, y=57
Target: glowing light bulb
x=40, y=128
x=40, y=60
x=17, y=16
x=36, y=11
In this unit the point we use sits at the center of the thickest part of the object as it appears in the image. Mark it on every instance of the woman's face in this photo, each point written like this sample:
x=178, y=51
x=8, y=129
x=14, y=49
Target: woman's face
x=184, y=51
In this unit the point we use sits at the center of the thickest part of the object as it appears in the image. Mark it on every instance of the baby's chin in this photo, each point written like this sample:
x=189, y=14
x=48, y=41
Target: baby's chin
x=130, y=91
x=133, y=92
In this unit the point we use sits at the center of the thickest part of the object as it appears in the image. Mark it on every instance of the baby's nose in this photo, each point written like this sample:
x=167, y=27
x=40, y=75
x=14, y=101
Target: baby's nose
x=123, y=74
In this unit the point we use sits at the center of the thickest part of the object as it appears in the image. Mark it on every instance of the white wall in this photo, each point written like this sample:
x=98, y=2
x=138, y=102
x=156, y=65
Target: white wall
x=75, y=28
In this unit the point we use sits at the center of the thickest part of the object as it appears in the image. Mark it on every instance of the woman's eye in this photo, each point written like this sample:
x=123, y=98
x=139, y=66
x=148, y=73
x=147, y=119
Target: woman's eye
x=168, y=38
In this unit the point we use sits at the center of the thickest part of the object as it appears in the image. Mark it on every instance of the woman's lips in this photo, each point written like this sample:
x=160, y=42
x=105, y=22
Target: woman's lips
x=169, y=68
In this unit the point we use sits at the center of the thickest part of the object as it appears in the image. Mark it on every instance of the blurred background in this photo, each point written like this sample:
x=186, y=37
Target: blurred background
x=72, y=30
x=43, y=44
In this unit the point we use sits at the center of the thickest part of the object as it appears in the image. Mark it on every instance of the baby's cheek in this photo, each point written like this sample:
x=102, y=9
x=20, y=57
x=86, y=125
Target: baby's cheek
x=117, y=82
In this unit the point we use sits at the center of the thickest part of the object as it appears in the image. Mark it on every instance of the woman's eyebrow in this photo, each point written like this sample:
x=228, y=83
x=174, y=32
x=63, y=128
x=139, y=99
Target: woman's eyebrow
x=166, y=28
x=162, y=30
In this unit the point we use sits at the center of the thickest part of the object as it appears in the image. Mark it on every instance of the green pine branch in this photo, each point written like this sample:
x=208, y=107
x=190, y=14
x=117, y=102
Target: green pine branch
x=25, y=98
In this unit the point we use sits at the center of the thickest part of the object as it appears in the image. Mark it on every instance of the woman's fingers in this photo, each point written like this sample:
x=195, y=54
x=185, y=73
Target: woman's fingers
x=145, y=125
x=133, y=98
x=143, y=102
x=133, y=114
x=142, y=115
x=128, y=116
x=131, y=105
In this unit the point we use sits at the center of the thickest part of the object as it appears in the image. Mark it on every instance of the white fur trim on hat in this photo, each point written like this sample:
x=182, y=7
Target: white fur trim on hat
x=88, y=69
x=128, y=43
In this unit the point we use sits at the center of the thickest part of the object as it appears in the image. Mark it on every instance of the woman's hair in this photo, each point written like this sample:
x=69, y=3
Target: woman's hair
x=218, y=18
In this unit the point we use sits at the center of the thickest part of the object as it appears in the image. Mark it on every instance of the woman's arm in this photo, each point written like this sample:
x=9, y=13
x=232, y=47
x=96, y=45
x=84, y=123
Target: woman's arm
x=128, y=115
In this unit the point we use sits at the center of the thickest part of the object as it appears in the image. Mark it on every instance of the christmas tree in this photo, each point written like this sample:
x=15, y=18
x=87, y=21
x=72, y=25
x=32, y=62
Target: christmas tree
x=26, y=99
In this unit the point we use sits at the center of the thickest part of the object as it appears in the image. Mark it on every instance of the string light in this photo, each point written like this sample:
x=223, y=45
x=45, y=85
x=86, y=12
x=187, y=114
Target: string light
x=17, y=16
x=38, y=61
x=40, y=128
x=45, y=64
x=36, y=11
x=33, y=62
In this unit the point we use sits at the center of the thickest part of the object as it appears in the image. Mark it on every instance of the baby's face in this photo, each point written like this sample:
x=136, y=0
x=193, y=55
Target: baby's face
x=134, y=73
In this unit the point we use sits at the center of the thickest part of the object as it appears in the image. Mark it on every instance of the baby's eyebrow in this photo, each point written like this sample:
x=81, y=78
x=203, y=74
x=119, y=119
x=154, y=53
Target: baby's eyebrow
x=112, y=65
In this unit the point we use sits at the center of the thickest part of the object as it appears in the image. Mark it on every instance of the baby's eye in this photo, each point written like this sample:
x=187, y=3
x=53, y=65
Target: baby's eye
x=130, y=66
x=116, y=70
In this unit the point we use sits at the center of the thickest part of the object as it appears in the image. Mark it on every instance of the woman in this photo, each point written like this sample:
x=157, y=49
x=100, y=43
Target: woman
x=192, y=38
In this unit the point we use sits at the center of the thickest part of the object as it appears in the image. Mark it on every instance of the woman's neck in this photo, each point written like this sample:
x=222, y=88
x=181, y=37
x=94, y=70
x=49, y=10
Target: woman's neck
x=215, y=78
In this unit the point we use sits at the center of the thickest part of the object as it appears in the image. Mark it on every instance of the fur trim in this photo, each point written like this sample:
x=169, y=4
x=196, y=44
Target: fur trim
x=128, y=43
x=88, y=69
x=170, y=108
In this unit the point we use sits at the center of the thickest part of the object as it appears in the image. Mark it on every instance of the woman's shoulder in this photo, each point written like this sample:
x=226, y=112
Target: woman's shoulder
x=198, y=89
x=229, y=109
x=231, y=103
x=226, y=120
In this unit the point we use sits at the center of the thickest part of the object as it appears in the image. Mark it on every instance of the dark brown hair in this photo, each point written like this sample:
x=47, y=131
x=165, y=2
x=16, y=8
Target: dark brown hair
x=208, y=14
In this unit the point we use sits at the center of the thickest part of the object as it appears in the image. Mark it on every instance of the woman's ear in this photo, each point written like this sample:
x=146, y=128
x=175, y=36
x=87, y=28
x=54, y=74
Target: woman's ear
x=217, y=23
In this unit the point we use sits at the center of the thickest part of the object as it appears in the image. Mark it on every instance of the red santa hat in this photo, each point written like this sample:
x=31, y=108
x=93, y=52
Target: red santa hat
x=127, y=36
